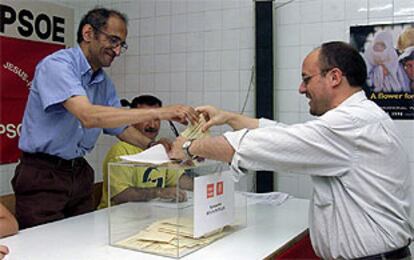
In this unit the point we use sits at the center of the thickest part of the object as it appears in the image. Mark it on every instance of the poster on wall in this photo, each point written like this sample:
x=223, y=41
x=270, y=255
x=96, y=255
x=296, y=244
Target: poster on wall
x=29, y=31
x=388, y=50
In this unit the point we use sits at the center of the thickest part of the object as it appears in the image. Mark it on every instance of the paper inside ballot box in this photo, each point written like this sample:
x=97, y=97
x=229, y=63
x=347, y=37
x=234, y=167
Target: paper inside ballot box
x=162, y=237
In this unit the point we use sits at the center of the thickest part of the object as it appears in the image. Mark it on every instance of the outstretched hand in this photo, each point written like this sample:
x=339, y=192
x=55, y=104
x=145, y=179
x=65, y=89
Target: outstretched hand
x=213, y=115
x=180, y=113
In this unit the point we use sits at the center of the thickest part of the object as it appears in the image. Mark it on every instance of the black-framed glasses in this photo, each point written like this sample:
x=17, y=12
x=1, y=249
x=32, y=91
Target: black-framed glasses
x=115, y=41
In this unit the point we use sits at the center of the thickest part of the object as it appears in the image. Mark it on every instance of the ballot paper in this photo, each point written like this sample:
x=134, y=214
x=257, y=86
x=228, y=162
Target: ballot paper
x=153, y=155
x=193, y=131
x=170, y=237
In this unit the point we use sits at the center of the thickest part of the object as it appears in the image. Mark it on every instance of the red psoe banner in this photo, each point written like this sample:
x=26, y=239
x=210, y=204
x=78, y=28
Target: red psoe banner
x=18, y=61
x=28, y=33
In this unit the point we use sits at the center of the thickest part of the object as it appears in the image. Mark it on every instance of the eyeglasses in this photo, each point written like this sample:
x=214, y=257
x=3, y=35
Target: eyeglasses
x=115, y=41
x=307, y=78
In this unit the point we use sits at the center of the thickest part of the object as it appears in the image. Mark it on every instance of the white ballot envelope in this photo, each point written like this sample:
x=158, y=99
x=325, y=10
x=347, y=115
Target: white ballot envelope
x=154, y=155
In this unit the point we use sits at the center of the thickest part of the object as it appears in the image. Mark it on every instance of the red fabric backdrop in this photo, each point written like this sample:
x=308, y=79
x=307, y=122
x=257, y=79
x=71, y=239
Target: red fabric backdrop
x=18, y=61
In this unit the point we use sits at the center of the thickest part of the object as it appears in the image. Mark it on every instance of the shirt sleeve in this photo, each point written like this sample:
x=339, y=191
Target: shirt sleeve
x=264, y=122
x=234, y=139
x=312, y=148
x=56, y=81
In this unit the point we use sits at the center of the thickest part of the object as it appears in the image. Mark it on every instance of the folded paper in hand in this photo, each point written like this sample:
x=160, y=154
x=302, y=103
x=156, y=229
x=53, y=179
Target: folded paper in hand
x=154, y=155
x=193, y=131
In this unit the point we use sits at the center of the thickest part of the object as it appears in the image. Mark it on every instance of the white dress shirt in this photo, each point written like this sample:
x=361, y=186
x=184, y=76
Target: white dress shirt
x=360, y=171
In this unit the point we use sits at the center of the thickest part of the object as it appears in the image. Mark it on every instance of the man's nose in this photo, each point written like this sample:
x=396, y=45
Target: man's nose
x=302, y=88
x=117, y=50
x=152, y=123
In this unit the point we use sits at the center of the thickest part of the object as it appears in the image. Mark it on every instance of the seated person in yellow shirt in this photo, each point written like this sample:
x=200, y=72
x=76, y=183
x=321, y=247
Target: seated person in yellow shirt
x=142, y=184
x=8, y=226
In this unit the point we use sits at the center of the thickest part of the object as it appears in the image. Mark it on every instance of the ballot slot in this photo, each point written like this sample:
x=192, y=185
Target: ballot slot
x=213, y=209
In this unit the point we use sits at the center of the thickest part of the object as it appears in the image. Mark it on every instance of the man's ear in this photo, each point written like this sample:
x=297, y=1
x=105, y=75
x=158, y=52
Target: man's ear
x=87, y=32
x=335, y=75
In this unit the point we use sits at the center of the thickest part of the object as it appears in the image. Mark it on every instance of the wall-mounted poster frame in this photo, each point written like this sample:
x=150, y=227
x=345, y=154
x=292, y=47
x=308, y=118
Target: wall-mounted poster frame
x=388, y=50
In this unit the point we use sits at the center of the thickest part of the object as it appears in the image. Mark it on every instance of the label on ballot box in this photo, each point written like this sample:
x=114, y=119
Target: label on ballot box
x=213, y=203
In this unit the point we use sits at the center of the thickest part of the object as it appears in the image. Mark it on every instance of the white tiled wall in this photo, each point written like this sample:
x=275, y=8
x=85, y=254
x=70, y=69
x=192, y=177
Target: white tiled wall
x=184, y=51
x=302, y=25
x=201, y=52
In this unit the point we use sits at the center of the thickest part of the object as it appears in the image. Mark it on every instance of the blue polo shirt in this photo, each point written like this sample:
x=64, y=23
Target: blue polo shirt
x=47, y=126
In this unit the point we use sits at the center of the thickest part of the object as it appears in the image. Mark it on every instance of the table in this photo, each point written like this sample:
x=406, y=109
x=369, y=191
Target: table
x=269, y=229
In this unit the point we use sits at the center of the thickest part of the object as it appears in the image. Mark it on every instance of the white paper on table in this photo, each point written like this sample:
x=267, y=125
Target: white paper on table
x=270, y=198
x=154, y=155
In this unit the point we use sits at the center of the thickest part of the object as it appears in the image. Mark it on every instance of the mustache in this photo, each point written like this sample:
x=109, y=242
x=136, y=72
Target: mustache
x=151, y=129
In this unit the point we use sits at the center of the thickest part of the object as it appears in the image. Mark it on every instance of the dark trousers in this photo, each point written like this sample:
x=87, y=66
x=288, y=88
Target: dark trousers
x=48, y=188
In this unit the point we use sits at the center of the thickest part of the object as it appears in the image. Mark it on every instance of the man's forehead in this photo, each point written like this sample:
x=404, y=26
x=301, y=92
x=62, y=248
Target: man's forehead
x=311, y=61
x=314, y=55
x=115, y=25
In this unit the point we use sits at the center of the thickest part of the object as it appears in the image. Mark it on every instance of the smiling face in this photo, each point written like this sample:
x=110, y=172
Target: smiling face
x=150, y=128
x=97, y=45
x=314, y=85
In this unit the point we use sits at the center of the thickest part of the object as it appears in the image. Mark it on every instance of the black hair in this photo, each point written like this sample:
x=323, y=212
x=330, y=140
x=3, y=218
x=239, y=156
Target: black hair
x=343, y=56
x=142, y=100
x=97, y=18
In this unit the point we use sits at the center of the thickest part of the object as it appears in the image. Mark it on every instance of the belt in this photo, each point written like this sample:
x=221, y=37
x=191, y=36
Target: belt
x=56, y=160
x=395, y=254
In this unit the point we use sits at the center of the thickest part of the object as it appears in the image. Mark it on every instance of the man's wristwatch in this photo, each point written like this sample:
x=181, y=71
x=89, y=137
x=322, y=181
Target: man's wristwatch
x=186, y=149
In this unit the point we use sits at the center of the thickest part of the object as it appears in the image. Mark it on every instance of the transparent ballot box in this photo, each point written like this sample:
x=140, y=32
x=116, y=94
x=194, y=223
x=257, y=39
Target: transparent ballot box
x=207, y=206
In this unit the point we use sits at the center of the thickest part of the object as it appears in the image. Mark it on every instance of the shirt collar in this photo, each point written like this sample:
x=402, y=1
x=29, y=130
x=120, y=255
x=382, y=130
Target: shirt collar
x=86, y=69
x=357, y=97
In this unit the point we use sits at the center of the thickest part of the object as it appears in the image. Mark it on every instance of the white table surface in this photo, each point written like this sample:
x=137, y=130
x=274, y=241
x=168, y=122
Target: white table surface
x=86, y=237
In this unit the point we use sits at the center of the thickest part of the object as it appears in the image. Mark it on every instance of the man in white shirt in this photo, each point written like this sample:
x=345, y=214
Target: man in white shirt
x=360, y=171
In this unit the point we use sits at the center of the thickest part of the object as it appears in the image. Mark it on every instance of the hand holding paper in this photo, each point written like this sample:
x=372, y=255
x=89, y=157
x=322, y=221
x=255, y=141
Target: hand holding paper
x=194, y=131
